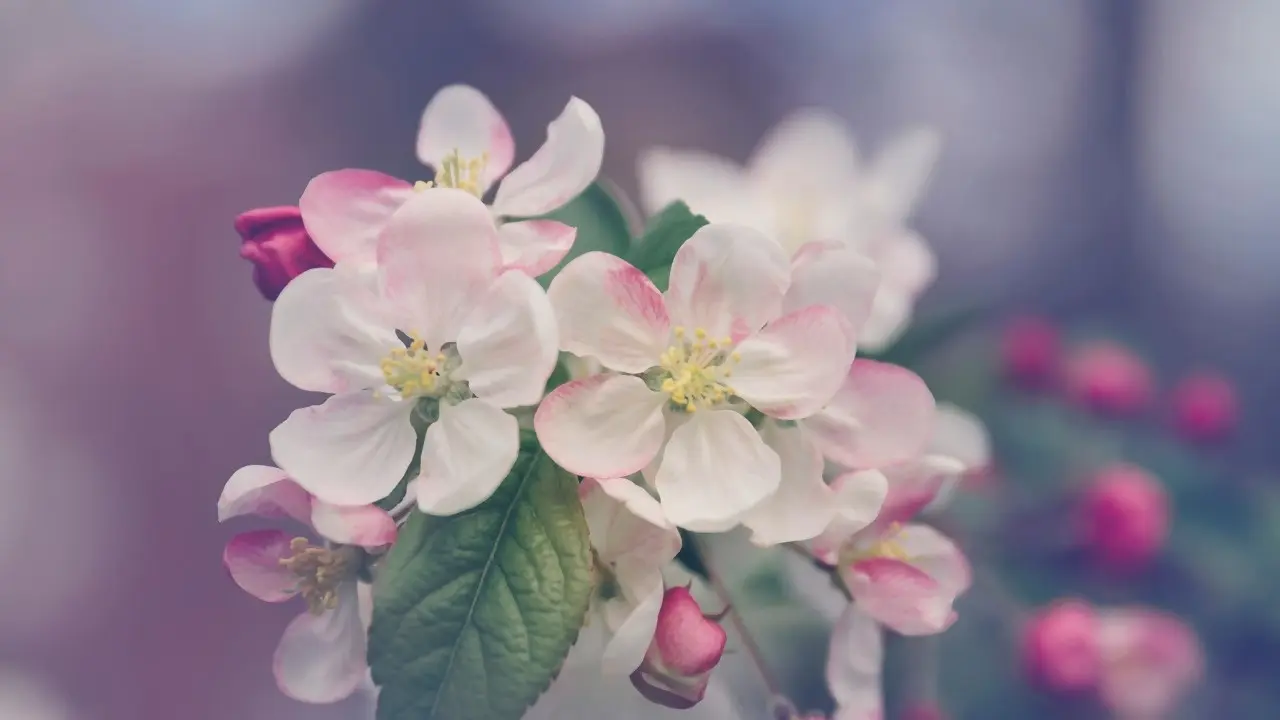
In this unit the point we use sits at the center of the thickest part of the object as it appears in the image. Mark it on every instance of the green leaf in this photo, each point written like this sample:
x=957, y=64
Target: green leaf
x=666, y=232
x=474, y=614
x=928, y=335
x=601, y=225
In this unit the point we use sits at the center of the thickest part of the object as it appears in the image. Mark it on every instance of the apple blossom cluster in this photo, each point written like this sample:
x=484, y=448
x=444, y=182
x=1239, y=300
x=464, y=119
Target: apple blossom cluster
x=524, y=423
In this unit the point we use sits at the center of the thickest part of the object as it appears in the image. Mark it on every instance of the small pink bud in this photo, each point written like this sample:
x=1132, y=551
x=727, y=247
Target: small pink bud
x=1125, y=516
x=923, y=711
x=1029, y=351
x=276, y=242
x=1060, y=647
x=686, y=646
x=1108, y=378
x=1205, y=408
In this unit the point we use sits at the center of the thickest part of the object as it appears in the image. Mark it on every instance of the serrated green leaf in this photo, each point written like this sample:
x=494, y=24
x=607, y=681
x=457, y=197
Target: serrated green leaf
x=666, y=232
x=474, y=613
x=601, y=224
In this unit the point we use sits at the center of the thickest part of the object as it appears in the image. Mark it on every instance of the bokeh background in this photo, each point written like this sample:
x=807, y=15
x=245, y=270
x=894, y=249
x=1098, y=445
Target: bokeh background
x=1109, y=163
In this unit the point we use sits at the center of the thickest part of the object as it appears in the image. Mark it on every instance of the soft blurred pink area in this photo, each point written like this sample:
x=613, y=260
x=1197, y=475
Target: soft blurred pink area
x=133, y=355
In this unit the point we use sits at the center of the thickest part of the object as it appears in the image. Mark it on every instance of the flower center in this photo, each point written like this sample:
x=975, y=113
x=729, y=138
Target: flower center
x=412, y=370
x=695, y=371
x=887, y=547
x=458, y=173
x=320, y=571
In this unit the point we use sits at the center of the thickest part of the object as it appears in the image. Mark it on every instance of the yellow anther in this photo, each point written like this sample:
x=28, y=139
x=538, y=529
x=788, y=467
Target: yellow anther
x=679, y=331
x=413, y=371
x=693, y=372
x=700, y=334
x=423, y=185
x=320, y=572
x=461, y=173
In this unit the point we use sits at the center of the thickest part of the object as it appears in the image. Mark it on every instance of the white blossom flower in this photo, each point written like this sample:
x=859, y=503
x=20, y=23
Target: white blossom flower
x=467, y=141
x=685, y=366
x=440, y=328
x=804, y=185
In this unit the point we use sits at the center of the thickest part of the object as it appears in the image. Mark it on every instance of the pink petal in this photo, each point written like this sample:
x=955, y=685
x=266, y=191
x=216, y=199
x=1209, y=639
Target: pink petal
x=560, y=170
x=438, y=255
x=937, y=555
x=791, y=368
x=253, y=560
x=461, y=119
x=1150, y=661
x=344, y=210
x=264, y=491
x=609, y=310
x=686, y=643
x=900, y=596
x=534, y=246
x=601, y=426
x=912, y=486
x=321, y=658
x=508, y=343
x=727, y=280
x=882, y=414
x=365, y=525
x=826, y=274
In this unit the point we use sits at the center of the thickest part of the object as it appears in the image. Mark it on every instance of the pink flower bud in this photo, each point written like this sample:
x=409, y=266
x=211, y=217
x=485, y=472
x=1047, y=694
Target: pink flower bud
x=1204, y=407
x=1060, y=647
x=1125, y=516
x=1108, y=378
x=686, y=646
x=923, y=711
x=1029, y=351
x=277, y=243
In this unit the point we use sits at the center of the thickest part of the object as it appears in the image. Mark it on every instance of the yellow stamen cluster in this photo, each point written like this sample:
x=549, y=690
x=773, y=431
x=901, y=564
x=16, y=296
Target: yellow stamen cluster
x=697, y=370
x=320, y=571
x=459, y=173
x=413, y=371
x=886, y=547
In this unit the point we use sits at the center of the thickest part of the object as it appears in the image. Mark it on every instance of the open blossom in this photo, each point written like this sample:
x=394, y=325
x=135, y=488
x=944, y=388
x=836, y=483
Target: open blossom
x=804, y=185
x=321, y=657
x=467, y=141
x=438, y=330
x=631, y=542
x=686, y=647
x=684, y=367
x=1150, y=660
x=275, y=241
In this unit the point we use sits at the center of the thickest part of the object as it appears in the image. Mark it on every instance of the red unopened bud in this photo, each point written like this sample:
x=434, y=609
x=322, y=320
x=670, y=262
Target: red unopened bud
x=1029, y=351
x=1060, y=647
x=1204, y=407
x=686, y=646
x=1109, y=379
x=1125, y=516
x=276, y=242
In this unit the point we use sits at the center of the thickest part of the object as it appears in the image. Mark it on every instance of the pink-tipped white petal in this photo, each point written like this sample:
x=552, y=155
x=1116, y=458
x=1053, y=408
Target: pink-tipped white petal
x=609, y=310
x=263, y=491
x=352, y=450
x=727, y=280
x=253, y=560
x=460, y=119
x=321, y=658
x=325, y=335
x=710, y=185
x=802, y=507
x=882, y=414
x=714, y=469
x=344, y=211
x=368, y=526
x=901, y=171
x=937, y=555
x=466, y=456
x=437, y=257
x=561, y=169
x=854, y=662
x=913, y=486
x=843, y=278
x=793, y=367
x=534, y=246
x=900, y=596
x=601, y=426
x=508, y=343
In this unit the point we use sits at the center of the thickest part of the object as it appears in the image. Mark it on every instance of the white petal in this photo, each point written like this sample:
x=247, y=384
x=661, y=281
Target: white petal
x=907, y=263
x=882, y=414
x=631, y=638
x=609, y=310
x=715, y=469
x=352, y=450
x=809, y=152
x=823, y=274
x=795, y=365
x=508, y=343
x=601, y=426
x=627, y=525
x=466, y=456
x=263, y=491
x=901, y=170
x=890, y=315
x=854, y=664
x=461, y=119
x=535, y=246
x=711, y=186
x=561, y=169
x=321, y=658
x=437, y=257
x=859, y=499
x=937, y=555
x=324, y=335
x=802, y=506
x=344, y=211
x=960, y=435
x=727, y=280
